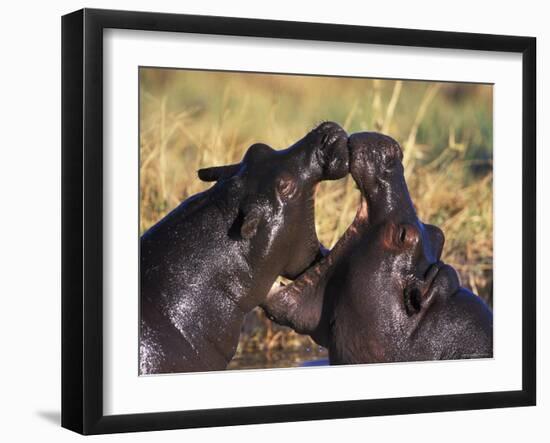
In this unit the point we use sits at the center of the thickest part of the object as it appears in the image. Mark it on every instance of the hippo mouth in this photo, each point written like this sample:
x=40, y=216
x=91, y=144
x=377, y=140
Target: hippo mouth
x=440, y=279
x=333, y=154
x=334, y=135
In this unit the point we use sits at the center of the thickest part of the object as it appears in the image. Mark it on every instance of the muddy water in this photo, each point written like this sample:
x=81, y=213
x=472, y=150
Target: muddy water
x=264, y=344
x=280, y=359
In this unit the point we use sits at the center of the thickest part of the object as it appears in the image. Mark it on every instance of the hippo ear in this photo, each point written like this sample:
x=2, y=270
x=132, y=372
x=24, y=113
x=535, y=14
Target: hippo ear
x=216, y=173
x=251, y=222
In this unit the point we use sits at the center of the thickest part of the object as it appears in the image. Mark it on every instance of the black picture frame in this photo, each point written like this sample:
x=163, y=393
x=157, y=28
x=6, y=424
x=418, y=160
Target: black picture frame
x=82, y=218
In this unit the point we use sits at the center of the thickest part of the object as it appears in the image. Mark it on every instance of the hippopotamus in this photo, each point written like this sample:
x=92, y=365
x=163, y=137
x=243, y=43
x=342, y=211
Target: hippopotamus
x=383, y=294
x=215, y=257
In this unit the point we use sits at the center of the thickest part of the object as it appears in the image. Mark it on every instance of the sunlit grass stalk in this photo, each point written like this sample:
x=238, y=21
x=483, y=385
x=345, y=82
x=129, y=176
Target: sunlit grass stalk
x=391, y=106
x=408, y=147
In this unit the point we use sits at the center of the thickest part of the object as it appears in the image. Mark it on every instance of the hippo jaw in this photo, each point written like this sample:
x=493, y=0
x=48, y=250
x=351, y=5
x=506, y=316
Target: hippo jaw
x=375, y=165
x=454, y=322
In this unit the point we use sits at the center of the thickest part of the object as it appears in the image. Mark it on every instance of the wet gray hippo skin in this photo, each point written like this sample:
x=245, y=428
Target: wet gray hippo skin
x=382, y=294
x=215, y=257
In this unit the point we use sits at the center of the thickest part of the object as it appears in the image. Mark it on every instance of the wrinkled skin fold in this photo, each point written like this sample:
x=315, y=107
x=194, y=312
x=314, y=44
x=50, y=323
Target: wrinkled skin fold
x=213, y=258
x=383, y=294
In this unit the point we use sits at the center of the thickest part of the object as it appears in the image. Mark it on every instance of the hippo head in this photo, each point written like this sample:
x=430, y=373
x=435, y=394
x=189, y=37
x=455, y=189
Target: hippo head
x=407, y=304
x=275, y=191
x=403, y=251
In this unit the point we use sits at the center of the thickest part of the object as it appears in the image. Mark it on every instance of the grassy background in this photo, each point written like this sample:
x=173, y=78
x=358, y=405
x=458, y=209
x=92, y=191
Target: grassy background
x=192, y=119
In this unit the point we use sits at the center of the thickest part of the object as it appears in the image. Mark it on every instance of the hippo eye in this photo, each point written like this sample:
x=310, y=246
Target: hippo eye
x=406, y=236
x=402, y=234
x=400, y=237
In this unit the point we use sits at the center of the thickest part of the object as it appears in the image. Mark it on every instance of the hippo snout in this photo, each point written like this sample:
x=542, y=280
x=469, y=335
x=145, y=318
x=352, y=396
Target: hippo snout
x=380, y=150
x=372, y=156
x=329, y=126
x=333, y=154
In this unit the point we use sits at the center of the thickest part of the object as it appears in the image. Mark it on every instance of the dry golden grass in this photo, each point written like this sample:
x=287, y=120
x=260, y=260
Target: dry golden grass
x=192, y=119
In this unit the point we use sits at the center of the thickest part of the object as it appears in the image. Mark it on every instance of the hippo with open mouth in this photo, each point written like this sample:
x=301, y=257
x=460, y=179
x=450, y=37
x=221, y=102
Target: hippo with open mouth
x=215, y=257
x=383, y=294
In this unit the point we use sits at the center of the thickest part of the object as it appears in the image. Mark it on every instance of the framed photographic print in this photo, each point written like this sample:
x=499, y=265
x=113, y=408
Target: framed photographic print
x=270, y=221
